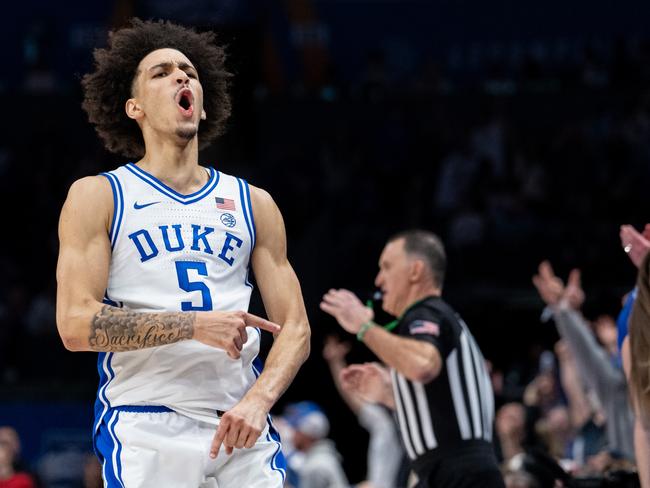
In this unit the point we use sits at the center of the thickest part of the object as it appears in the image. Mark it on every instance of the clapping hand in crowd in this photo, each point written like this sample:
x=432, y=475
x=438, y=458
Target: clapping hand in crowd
x=371, y=381
x=335, y=349
x=635, y=244
x=552, y=289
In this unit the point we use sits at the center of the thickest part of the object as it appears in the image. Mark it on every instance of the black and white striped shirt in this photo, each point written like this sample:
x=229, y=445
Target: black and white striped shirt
x=456, y=409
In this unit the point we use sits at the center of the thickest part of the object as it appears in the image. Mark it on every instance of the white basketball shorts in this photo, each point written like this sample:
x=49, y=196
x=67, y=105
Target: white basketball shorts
x=142, y=447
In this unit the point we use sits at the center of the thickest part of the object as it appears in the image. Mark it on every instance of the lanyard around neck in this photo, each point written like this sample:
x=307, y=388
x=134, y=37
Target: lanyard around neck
x=393, y=323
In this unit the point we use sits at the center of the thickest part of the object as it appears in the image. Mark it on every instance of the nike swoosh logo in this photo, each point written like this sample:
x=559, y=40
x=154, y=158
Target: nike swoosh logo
x=138, y=207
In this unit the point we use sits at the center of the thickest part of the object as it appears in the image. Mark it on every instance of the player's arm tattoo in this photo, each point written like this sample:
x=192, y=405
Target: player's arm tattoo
x=116, y=329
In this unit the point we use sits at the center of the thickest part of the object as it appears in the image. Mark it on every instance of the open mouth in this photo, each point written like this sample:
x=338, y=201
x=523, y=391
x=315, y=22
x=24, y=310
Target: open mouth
x=185, y=101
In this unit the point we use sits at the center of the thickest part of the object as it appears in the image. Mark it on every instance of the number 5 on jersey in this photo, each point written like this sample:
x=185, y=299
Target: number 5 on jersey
x=182, y=270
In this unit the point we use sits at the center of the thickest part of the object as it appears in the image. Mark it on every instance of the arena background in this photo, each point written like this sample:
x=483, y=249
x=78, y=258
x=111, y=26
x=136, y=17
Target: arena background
x=518, y=131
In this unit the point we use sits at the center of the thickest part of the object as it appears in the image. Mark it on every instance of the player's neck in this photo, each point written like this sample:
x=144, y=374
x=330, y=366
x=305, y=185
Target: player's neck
x=163, y=150
x=175, y=165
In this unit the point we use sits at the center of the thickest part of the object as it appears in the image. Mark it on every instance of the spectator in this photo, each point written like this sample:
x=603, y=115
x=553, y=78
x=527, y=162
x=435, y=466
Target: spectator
x=596, y=367
x=542, y=393
x=384, y=454
x=585, y=412
x=9, y=477
x=511, y=430
x=9, y=438
x=321, y=465
x=556, y=432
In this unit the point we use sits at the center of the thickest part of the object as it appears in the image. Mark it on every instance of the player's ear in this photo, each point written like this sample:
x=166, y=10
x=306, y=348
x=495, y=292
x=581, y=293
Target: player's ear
x=133, y=109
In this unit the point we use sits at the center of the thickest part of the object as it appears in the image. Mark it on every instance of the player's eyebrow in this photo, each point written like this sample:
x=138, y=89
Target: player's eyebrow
x=168, y=64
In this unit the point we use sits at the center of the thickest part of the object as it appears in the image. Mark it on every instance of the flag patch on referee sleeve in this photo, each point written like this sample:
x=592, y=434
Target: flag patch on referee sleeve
x=424, y=327
x=225, y=203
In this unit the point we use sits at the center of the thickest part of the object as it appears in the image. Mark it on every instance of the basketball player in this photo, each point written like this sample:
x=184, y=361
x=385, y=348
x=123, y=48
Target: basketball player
x=153, y=273
x=440, y=387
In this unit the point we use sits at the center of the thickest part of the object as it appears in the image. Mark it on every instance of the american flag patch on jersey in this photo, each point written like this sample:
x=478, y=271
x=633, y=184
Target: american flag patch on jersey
x=424, y=327
x=225, y=203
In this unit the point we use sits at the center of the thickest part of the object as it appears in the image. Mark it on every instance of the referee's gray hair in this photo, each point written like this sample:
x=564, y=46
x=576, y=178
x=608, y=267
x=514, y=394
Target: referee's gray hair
x=427, y=246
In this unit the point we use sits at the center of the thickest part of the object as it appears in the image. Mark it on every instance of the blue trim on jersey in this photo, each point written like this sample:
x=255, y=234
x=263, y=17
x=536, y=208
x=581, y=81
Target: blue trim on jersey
x=151, y=180
x=115, y=461
x=106, y=375
x=250, y=211
x=278, y=461
x=251, y=227
x=102, y=405
x=257, y=367
x=118, y=455
x=143, y=409
x=103, y=448
x=247, y=280
x=245, y=211
x=119, y=221
x=258, y=364
x=109, y=449
x=115, y=210
x=118, y=206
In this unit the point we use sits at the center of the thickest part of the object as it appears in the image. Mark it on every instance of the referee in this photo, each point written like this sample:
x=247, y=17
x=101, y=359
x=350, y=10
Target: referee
x=438, y=383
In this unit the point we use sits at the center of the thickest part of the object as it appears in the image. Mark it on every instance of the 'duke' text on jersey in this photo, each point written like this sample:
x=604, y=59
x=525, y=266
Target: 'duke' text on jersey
x=170, y=237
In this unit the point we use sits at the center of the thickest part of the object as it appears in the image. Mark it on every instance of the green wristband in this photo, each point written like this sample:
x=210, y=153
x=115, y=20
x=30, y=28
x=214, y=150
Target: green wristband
x=364, y=328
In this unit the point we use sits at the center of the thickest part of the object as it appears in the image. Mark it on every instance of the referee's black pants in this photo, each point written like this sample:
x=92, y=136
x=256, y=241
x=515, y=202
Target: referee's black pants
x=467, y=471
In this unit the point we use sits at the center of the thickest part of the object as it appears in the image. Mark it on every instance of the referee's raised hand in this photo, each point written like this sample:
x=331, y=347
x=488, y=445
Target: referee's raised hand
x=347, y=309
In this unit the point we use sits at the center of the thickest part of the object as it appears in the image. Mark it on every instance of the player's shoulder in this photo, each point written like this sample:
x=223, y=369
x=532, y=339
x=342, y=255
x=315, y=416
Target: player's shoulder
x=90, y=187
x=89, y=205
x=268, y=219
x=260, y=196
x=262, y=202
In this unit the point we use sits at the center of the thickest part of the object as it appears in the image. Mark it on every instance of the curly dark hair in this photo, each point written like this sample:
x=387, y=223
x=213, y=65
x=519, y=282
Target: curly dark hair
x=110, y=85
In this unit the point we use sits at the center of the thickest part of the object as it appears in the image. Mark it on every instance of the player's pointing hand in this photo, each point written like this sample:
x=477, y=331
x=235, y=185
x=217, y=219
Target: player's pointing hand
x=227, y=330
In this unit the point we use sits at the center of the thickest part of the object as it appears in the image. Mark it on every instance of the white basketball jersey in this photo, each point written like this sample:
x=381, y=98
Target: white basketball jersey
x=173, y=252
